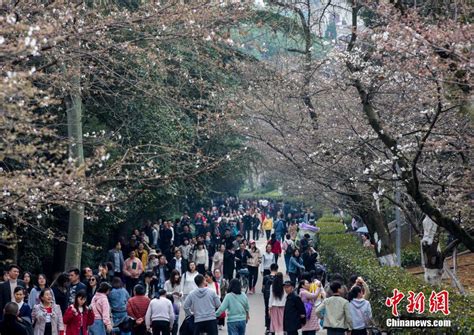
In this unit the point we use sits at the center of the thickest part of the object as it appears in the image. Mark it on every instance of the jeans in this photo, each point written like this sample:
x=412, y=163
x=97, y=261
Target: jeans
x=287, y=260
x=268, y=233
x=236, y=328
x=253, y=276
x=247, y=234
x=161, y=327
x=309, y=332
x=255, y=234
x=209, y=327
x=97, y=328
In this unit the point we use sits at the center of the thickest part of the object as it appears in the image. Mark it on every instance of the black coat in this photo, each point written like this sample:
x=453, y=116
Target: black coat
x=229, y=263
x=309, y=261
x=10, y=326
x=294, y=309
x=184, y=265
x=242, y=258
x=6, y=293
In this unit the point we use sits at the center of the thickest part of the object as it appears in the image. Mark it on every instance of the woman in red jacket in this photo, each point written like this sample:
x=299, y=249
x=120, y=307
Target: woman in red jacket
x=78, y=317
x=276, y=246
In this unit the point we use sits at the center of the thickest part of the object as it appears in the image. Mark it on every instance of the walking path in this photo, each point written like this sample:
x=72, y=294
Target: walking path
x=256, y=324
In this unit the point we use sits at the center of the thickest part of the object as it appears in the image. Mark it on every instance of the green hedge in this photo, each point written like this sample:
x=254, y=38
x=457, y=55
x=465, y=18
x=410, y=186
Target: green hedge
x=411, y=255
x=344, y=254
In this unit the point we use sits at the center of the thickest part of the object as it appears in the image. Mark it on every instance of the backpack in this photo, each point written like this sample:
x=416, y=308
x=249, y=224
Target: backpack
x=289, y=249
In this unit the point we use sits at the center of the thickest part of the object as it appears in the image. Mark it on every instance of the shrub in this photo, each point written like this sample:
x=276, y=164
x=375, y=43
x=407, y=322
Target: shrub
x=342, y=253
x=411, y=255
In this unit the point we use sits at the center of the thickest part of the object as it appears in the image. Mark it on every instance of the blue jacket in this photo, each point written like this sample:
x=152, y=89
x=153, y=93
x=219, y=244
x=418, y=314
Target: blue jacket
x=294, y=264
x=118, y=298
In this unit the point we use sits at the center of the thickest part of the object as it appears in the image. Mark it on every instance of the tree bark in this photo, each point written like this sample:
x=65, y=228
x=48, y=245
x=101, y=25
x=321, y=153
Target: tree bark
x=76, y=152
x=379, y=231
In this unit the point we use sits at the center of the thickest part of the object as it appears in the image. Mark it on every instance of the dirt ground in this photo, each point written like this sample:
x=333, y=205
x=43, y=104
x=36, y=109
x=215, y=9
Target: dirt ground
x=464, y=271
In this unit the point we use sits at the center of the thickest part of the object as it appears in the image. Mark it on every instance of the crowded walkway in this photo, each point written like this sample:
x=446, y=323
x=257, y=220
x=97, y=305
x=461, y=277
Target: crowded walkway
x=241, y=267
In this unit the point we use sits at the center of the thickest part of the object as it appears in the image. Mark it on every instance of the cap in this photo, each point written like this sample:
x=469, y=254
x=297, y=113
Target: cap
x=288, y=283
x=251, y=241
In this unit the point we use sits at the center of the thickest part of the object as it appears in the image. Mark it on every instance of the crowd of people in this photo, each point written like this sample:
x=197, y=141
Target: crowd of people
x=194, y=264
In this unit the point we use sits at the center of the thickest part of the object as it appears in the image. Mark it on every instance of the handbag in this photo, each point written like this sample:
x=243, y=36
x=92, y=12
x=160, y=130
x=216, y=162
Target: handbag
x=308, y=306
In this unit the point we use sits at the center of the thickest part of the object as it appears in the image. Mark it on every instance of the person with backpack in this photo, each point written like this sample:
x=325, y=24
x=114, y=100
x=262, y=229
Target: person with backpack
x=294, y=313
x=337, y=315
x=361, y=311
x=288, y=247
x=266, y=287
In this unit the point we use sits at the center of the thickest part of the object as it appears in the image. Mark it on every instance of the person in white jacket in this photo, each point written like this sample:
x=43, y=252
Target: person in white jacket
x=159, y=316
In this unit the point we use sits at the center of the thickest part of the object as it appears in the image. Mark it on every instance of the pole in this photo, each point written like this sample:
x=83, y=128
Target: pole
x=399, y=228
x=397, y=221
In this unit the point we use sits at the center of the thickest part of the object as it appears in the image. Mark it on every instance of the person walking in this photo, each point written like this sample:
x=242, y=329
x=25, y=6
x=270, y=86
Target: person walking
x=201, y=258
x=229, y=263
x=276, y=304
x=188, y=280
x=33, y=298
x=132, y=269
x=252, y=264
x=237, y=306
x=173, y=286
x=160, y=315
x=24, y=311
x=223, y=285
x=295, y=267
x=288, y=247
x=202, y=303
x=256, y=226
x=101, y=308
x=337, y=316
x=276, y=246
x=46, y=316
x=267, y=226
x=309, y=300
x=7, y=287
x=361, y=311
x=294, y=313
x=115, y=256
x=266, y=289
x=268, y=258
x=118, y=298
x=10, y=323
x=218, y=259
x=137, y=307
x=79, y=316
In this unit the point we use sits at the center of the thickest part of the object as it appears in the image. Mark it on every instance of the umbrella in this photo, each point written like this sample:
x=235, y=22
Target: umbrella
x=362, y=230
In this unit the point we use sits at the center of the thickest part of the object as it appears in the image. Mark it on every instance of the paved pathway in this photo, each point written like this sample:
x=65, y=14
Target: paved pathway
x=256, y=324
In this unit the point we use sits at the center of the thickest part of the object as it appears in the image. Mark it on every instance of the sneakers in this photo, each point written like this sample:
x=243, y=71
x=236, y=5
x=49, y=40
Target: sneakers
x=221, y=327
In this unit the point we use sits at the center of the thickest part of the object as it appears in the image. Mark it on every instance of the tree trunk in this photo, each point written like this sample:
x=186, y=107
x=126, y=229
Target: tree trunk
x=76, y=152
x=378, y=230
x=432, y=258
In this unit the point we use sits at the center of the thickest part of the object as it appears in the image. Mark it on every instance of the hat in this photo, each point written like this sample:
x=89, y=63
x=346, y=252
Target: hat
x=288, y=283
x=251, y=241
x=152, y=253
